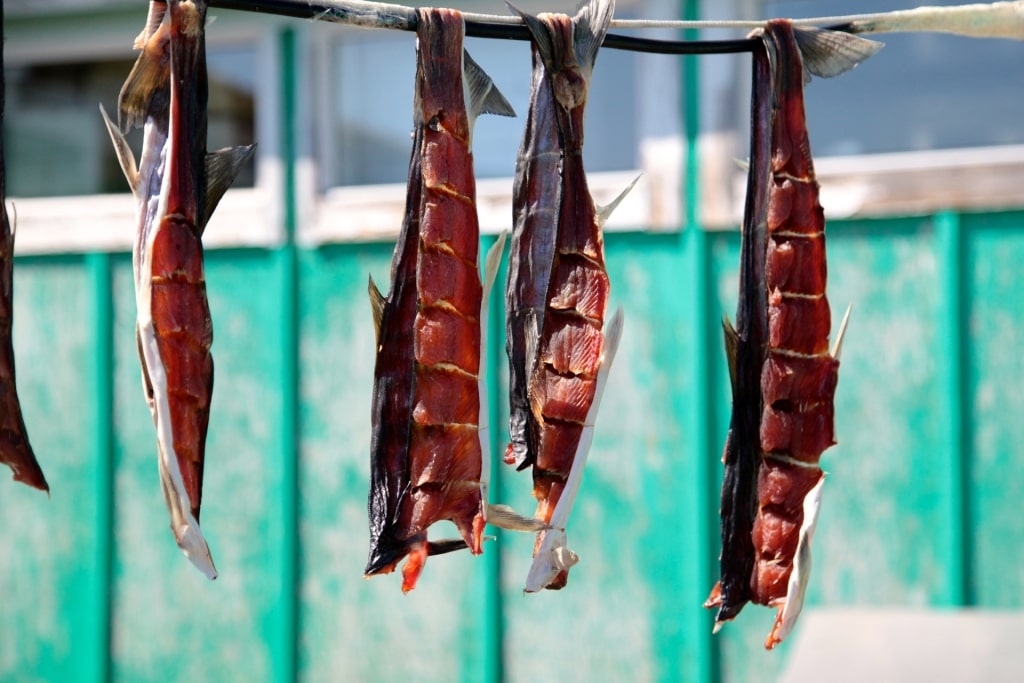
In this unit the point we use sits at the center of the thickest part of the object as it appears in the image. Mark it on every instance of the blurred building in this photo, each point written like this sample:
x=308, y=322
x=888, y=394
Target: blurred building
x=920, y=153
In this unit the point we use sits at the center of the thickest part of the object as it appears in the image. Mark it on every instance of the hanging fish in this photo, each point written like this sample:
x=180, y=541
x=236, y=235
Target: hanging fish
x=557, y=291
x=177, y=185
x=15, y=450
x=782, y=371
x=427, y=456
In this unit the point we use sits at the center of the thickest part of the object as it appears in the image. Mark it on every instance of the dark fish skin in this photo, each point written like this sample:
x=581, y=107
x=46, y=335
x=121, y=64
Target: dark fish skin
x=391, y=406
x=748, y=346
x=426, y=458
x=15, y=449
x=535, y=200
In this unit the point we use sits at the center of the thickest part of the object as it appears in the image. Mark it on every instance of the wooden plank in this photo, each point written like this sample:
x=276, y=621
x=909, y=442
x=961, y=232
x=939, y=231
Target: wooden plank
x=995, y=244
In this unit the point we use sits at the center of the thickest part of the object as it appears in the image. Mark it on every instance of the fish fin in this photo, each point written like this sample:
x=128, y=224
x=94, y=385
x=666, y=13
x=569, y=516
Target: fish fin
x=796, y=590
x=377, y=301
x=492, y=261
x=157, y=11
x=732, y=344
x=184, y=526
x=148, y=79
x=222, y=168
x=590, y=27
x=838, y=346
x=554, y=556
x=603, y=212
x=831, y=53
x=482, y=96
x=445, y=545
x=744, y=164
x=504, y=517
x=124, y=153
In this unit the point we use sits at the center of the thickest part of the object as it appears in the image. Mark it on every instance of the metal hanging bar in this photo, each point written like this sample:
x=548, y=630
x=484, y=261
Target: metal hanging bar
x=994, y=20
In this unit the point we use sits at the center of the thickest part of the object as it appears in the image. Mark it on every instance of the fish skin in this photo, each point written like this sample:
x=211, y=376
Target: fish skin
x=426, y=459
x=15, y=450
x=535, y=218
x=746, y=346
x=176, y=185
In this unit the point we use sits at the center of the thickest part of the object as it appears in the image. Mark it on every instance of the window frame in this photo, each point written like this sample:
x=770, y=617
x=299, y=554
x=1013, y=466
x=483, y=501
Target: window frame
x=104, y=222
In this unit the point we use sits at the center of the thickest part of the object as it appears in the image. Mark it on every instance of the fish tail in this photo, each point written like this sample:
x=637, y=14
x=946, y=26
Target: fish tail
x=592, y=20
x=482, y=96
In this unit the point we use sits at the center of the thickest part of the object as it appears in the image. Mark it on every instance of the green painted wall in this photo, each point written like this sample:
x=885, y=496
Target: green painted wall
x=94, y=588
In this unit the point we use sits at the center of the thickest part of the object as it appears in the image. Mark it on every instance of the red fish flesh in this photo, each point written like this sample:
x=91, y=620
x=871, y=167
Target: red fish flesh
x=426, y=455
x=15, y=450
x=177, y=185
x=783, y=373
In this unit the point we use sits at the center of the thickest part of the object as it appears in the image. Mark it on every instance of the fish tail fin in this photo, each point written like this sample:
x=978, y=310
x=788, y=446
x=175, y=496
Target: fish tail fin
x=831, y=53
x=482, y=96
x=222, y=168
x=591, y=26
x=124, y=153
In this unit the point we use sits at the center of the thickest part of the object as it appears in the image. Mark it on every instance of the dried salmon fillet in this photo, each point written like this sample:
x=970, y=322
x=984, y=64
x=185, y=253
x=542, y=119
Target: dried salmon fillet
x=15, y=450
x=782, y=371
x=558, y=288
x=427, y=458
x=176, y=185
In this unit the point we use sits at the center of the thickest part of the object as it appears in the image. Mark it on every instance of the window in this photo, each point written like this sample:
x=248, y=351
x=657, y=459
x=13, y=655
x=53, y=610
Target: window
x=55, y=140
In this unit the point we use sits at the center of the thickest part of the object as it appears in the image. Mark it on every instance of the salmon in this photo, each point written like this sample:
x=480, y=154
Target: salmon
x=427, y=456
x=176, y=185
x=558, y=288
x=782, y=371
x=15, y=450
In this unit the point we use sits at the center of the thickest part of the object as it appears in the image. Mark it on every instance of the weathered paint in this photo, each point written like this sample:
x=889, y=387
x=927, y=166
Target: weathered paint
x=632, y=610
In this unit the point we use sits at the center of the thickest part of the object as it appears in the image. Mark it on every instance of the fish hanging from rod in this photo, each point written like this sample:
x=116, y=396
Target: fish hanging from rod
x=782, y=371
x=15, y=449
x=557, y=289
x=429, y=458
x=176, y=185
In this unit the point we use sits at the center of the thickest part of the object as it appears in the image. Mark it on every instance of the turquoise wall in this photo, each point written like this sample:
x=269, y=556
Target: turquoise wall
x=921, y=507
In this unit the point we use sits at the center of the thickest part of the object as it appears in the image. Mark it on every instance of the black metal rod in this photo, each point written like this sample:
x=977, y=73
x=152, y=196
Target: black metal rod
x=404, y=19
